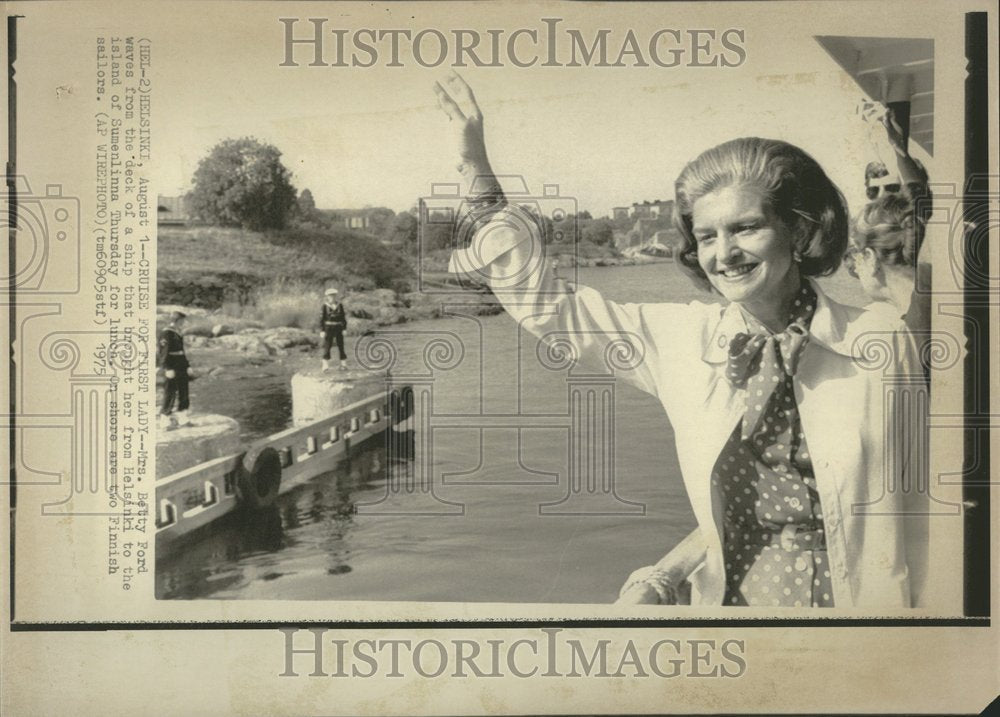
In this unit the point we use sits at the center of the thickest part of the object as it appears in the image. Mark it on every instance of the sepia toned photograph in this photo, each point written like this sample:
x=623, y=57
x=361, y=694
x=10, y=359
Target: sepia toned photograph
x=601, y=370
x=596, y=347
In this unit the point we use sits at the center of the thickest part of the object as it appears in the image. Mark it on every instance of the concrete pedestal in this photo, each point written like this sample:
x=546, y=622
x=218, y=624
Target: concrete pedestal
x=210, y=436
x=317, y=394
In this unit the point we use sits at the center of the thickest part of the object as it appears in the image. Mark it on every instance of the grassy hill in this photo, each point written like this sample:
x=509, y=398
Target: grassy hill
x=212, y=266
x=275, y=279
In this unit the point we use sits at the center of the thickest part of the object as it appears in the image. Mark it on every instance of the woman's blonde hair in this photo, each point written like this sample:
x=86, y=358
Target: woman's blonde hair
x=797, y=191
x=889, y=226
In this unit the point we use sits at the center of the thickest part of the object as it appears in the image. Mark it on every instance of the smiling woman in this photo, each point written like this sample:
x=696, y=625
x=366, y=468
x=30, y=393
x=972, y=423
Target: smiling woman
x=746, y=252
x=781, y=421
x=753, y=204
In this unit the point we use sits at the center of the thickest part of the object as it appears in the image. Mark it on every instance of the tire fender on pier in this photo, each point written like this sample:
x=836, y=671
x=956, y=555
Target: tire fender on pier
x=401, y=404
x=260, y=479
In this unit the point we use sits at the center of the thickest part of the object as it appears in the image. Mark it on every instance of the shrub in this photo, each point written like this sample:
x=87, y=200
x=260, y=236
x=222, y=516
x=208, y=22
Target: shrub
x=242, y=182
x=362, y=261
x=288, y=303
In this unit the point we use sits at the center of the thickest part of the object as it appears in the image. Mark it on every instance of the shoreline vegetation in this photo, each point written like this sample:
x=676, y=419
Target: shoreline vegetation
x=232, y=281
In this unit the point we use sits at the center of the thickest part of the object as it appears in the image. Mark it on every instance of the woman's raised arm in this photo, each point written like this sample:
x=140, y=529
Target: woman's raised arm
x=465, y=121
x=507, y=252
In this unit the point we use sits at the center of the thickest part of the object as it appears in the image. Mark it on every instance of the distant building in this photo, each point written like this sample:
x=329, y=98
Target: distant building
x=360, y=219
x=645, y=239
x=651, y=226
x=644, y=210
x=354, y=218
x=172, y=211
x=652, y=210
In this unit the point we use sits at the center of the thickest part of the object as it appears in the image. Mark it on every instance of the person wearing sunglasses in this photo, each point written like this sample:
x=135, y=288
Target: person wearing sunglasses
x=878, y=181
x=908, y=177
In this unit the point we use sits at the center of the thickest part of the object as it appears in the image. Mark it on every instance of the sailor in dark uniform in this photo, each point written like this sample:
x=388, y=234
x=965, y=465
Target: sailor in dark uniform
x=171, y=358
x=332, y=322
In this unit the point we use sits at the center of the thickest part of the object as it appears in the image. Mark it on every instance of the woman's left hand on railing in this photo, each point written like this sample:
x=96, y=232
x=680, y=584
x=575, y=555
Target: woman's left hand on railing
x=639, y=594
x=650, y=585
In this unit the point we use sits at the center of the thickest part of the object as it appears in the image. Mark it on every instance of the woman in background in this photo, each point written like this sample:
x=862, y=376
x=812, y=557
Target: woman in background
x=885, y=241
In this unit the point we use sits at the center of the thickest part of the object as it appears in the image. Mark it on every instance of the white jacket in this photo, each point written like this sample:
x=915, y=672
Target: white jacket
x=859, y=391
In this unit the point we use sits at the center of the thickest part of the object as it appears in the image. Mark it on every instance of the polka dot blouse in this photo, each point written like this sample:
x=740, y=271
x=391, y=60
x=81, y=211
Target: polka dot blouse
x=774, y=547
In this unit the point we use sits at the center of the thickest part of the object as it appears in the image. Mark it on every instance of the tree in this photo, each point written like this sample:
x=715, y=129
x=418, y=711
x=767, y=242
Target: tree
x=623, y=224
x=599, y=231
x=403, y=230
x=565, y=231
x=379, y=220
x=436, y=235
x=242, y=182
x=307, y=205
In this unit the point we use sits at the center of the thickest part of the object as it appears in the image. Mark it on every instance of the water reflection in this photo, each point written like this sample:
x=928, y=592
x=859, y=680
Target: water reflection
x=311, y=520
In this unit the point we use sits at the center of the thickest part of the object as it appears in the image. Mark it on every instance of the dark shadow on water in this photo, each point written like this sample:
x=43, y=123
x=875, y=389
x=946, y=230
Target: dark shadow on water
x=243, y=547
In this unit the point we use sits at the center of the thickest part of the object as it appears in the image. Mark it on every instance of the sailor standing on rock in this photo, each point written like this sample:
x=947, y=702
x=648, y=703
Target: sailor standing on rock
x=173, y=361
x=332, y=322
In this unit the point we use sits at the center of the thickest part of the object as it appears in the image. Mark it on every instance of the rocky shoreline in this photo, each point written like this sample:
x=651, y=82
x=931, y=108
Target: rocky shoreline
x=366, y=312
x=243, y=369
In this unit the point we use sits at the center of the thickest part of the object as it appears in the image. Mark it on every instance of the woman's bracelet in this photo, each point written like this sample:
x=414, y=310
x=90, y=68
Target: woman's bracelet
x=477, y=211
x=492, y=199
x=656, y=578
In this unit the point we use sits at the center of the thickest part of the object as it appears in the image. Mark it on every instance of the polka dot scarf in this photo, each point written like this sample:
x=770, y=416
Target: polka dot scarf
x=759, y=361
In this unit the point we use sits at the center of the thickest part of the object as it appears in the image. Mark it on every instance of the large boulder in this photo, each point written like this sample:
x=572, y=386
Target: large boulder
x=378, y=305
x=357, y=327
x=422, y=305
x=287, y=337
x=249, y=343
x=167, y=309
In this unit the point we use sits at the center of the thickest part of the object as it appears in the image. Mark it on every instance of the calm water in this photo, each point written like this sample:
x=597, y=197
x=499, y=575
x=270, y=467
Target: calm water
x=313, y=545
